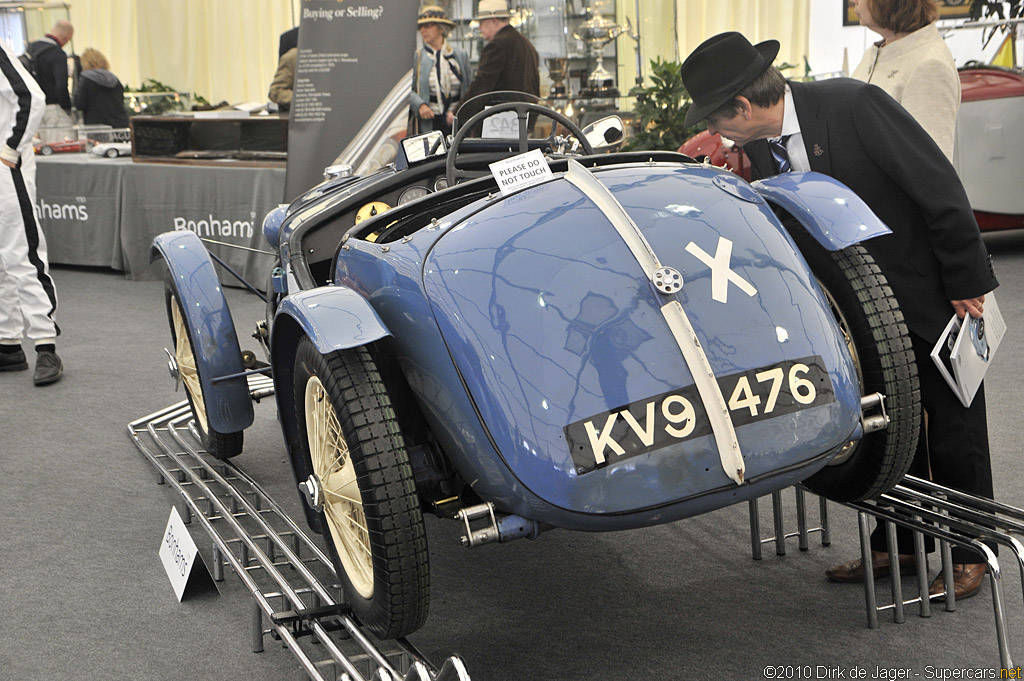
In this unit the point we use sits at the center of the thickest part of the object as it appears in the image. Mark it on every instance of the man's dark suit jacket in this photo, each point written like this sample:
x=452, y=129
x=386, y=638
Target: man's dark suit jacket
x=507, y=62
x=859, y=135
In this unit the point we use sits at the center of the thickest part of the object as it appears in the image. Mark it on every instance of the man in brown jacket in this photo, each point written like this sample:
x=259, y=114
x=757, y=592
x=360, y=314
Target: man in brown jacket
x=509, y=61
x=284, y=80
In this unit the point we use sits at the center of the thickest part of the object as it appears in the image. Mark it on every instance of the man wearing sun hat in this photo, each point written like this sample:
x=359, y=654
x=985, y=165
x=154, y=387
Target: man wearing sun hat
x=509, y=61
x=934, y=260
x=441, y=77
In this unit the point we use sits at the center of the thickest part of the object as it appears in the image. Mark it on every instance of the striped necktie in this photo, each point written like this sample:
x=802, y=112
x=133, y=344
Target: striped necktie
x=779, y=153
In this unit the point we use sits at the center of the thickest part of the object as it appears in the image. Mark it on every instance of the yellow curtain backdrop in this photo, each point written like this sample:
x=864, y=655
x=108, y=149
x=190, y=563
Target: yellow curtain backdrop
x=657, y=38
x=226, y=50
x=784, y=20
x=696, y=20
x=223, y=50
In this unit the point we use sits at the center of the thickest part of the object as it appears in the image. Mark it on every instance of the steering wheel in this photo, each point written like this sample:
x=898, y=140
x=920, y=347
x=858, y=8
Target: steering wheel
x=523, y=110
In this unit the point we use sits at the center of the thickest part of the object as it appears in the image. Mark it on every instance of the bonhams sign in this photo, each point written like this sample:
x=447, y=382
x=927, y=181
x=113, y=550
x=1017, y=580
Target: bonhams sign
x=222, y=227
x=351, y=54
x=51, y=210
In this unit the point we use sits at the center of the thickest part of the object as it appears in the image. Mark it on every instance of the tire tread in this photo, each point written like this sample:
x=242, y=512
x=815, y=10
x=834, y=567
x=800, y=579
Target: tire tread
x=889, y=366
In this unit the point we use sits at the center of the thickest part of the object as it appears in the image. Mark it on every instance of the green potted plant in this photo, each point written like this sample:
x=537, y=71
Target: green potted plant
x=660, y=109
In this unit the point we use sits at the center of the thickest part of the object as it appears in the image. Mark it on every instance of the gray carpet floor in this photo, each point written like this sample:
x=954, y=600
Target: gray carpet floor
x=85, y=596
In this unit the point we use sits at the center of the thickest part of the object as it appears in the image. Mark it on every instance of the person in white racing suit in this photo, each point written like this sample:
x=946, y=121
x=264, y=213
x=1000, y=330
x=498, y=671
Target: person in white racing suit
x=28, y=298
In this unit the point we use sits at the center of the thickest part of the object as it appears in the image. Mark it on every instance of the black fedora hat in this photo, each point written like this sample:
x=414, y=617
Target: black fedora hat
x=720, y=68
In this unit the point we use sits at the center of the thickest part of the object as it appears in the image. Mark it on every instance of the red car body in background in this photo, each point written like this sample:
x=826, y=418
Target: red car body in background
x=988, y=154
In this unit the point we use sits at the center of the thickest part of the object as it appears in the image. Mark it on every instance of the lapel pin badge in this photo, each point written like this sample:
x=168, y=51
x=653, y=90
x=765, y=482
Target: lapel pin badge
x=818, y=151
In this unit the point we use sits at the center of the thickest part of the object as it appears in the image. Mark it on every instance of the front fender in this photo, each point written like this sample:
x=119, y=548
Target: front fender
x=333, y=317
x=216, y=349
x=827, y=209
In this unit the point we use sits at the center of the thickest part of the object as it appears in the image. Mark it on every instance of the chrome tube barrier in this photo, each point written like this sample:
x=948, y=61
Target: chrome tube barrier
x=952, y=517
x=780, y=536
x=956, y=533
x=955, y=518
x=292, y=581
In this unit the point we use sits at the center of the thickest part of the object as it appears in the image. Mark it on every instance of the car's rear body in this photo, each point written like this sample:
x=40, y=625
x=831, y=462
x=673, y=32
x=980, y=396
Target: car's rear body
x=552, y=372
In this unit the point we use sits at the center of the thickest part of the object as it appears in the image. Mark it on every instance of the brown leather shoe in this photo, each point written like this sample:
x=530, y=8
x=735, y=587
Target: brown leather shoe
x=853, y=571
x=967, y=580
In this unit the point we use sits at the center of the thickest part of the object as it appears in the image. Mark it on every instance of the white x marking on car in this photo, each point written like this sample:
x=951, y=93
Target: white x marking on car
x=721, y=273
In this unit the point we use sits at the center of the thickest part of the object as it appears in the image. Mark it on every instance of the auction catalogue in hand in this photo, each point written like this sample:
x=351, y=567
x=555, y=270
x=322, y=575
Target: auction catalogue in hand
x=966, y=348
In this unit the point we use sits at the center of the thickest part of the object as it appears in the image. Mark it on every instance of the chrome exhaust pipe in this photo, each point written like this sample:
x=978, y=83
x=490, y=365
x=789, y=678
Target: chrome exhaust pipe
x=875, y=421
x=494, y=528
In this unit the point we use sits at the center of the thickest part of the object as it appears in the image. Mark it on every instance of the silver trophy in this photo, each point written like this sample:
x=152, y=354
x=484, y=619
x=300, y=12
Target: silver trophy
x=595, y=33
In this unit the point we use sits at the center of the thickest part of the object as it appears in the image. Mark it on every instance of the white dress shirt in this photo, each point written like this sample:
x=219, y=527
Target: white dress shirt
x=791, y=127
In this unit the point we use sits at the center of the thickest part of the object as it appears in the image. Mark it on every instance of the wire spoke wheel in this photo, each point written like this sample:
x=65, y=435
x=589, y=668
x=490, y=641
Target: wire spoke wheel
x=369, y=511
x=187, y=365
x=343, y=504
x=220, y=445
x=844, y=327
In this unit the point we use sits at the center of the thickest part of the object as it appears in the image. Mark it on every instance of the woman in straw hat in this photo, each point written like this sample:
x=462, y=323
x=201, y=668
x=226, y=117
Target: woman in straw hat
x=441, y=77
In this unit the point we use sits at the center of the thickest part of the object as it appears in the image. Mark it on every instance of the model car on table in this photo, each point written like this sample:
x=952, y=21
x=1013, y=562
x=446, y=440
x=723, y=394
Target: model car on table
x=62, y=147
x=633, y=340
x=112, y=149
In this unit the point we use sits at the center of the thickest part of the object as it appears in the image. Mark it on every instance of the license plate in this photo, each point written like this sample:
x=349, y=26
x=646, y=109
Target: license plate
x=679, y=415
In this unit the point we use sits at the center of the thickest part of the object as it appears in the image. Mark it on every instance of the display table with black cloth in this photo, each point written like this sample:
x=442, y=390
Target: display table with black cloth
x=225, y=204
x=105, y=212
x=78, y=201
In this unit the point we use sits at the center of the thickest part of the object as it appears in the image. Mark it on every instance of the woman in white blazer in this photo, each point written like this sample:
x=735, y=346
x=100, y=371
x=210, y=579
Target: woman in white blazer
x=912, y=63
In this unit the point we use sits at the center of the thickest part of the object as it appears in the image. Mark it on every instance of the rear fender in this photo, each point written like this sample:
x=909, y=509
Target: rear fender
x=333, y=318
x=826, y=208
x=217, y=353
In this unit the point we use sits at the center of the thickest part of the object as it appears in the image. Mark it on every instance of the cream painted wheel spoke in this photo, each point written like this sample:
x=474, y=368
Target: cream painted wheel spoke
x=187, y=367
x=359, y=564
x=352, y=523
x=341, y=484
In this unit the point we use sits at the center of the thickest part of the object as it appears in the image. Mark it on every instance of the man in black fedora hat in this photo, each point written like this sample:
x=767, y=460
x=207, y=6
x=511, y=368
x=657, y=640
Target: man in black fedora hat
x=934, y=260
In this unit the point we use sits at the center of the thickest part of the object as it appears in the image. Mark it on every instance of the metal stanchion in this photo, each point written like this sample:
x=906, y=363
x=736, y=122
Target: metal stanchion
x=780, y=536
x=865, y=557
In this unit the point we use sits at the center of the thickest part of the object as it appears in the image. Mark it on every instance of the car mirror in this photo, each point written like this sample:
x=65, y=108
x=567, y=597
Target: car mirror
x=605, y=133
x=424, y=146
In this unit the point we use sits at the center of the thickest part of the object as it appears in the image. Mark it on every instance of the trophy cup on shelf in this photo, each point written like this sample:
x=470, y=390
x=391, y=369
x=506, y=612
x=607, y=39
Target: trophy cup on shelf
x=595, y=33
x=558, y=68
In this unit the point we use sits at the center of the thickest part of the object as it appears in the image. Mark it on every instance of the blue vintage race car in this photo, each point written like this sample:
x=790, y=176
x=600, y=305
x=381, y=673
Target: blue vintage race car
x=631, y=339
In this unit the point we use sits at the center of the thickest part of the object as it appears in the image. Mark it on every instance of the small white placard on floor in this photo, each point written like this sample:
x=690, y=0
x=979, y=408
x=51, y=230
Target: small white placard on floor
x=178, y=553
x=518, y=172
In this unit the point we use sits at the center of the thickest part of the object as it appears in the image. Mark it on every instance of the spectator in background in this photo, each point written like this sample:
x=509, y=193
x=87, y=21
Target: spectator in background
x=912, y=63
x=99, y=95
x=53, y=74
x=284, y=80
x=28, y=298
x=509, y=61
x=441, y=76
